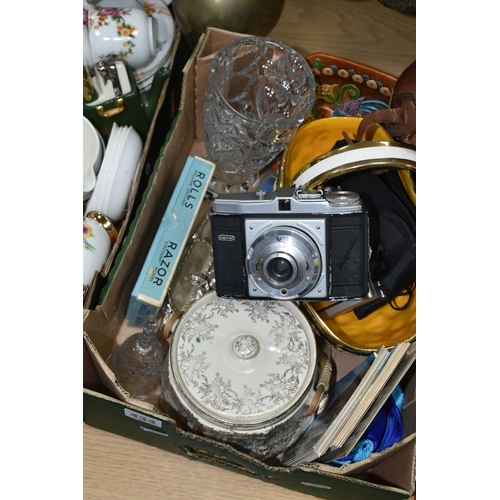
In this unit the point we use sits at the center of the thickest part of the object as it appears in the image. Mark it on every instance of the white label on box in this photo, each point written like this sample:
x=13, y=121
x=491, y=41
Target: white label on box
x=147, y=429
x=142, y=418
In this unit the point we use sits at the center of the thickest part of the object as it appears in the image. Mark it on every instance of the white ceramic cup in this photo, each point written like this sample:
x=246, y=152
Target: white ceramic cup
x=98, y=237
x=128, y=33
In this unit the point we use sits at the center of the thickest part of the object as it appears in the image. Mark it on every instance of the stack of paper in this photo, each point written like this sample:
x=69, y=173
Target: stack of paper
x=353, y=406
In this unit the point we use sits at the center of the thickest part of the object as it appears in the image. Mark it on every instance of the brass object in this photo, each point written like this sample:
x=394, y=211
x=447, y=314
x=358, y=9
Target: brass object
x=333, y=338
x=406, y=168
x=244, y=16
x=109, y=113
x=369, y=163
x=89, y=93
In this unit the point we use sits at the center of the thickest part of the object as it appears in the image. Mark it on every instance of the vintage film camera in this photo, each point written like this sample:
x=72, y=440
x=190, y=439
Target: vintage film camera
x=292, y=244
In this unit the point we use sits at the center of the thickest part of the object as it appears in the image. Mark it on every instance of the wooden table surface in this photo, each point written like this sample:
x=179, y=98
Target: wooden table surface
x=119, y=468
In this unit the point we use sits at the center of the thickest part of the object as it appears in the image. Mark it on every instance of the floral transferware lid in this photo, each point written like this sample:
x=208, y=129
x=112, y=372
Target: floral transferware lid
x=243, y=362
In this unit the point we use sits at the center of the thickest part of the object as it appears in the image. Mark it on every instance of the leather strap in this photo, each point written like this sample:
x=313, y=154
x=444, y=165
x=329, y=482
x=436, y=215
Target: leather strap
x=407, y=130
x=400, y=118
x=381, y=116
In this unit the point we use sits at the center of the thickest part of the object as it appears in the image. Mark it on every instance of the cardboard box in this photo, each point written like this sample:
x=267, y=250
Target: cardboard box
x=92, y=295
x=385, y=476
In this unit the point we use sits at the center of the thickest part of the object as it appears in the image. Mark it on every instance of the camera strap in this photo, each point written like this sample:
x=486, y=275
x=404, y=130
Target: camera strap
x=401, y=118
x=392, y=233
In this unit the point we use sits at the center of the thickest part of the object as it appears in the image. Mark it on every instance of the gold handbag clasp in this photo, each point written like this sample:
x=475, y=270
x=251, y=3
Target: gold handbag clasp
x=109, y=113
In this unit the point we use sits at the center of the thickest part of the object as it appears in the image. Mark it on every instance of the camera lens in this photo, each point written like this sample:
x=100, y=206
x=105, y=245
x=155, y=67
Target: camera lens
x=283, y=263
x=280, y=270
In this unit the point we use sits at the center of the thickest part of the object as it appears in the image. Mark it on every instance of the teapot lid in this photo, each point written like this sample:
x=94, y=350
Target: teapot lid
x=243, y=362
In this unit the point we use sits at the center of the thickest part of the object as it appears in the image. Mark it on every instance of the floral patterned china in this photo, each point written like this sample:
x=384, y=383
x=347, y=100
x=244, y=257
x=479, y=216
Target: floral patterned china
x=165, y=34
x=128, y=33
x=241, y=369
x=99, y=235
x=164, y=42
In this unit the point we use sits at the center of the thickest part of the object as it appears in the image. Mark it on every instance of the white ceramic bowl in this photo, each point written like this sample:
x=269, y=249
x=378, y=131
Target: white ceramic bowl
x=111, y=195
x=92, y=157
x=100, y=196
x=128, y=164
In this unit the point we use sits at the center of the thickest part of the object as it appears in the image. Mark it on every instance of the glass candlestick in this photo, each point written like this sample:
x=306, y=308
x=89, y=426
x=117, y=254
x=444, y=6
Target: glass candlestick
x=138, y=361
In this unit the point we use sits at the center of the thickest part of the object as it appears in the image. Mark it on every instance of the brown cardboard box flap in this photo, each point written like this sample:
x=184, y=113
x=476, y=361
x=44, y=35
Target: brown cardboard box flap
x=109, y=380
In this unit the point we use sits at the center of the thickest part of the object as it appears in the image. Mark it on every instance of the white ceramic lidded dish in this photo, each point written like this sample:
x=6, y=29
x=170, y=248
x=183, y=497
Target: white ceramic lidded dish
x=242, y=372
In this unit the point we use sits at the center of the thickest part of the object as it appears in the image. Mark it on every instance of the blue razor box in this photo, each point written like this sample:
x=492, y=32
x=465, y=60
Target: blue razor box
x=156, y=274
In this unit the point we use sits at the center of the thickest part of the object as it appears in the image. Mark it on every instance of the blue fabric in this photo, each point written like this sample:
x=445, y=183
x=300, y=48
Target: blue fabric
x=384, y=430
